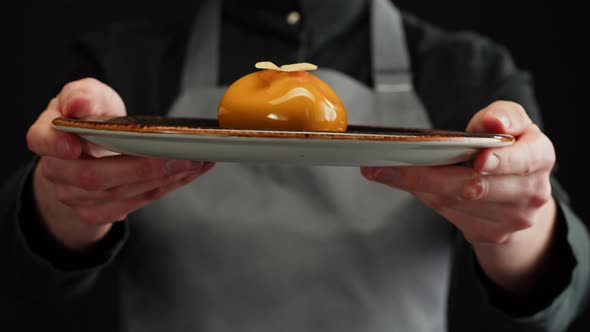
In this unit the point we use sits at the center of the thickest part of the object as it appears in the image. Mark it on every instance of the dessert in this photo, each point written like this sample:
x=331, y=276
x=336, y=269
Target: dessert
x=282, y=98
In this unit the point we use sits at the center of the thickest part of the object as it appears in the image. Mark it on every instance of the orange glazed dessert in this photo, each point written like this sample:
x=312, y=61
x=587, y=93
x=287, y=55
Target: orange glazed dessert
x=282, y=98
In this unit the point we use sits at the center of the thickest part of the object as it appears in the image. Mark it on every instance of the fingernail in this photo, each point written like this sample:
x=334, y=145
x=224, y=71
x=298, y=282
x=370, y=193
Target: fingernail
x=63, y=148
x=504, y=119
x=386, y=174
x=67, y=101
x=491, y=163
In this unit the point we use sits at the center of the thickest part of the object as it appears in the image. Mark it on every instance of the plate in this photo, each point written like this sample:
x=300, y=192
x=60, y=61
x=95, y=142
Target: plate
x=202, y=139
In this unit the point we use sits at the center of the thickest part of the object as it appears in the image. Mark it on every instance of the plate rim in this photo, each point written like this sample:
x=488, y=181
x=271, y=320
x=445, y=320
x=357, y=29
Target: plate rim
x=410, y=135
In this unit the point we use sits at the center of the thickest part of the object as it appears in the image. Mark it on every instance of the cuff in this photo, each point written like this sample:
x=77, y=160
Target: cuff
x=557, y=306
x=42, y=265
x=45, y=247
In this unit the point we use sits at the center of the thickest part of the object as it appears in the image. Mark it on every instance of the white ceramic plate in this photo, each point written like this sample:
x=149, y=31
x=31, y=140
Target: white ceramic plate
x=202, y=139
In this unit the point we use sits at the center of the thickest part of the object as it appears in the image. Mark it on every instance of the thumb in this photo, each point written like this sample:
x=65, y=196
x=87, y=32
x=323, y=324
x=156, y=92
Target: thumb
x=500, y=117
x=89, y=97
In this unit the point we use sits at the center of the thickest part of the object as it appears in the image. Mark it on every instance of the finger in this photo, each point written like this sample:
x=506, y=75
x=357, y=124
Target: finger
x=44, y=140
x=532, y=152
x=95, y=151
x=109, y=172
x=451, y=181
x=77, y=197
x=118, y=210
x=86, y=97
x=513, y=217
x=475, y=230
x=464, y=183
x=89, y=97
x=501, y=117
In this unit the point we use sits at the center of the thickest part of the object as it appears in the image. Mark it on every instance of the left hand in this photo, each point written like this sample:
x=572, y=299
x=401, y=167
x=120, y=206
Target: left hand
x=504, y=200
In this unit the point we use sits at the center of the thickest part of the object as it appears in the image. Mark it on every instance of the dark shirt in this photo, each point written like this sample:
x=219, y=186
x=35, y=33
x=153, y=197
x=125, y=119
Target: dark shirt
x=324, y=35
x=455, y=75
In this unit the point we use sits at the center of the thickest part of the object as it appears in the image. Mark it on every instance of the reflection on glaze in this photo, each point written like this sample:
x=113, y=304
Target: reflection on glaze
x=271, y=99
x=293, y=93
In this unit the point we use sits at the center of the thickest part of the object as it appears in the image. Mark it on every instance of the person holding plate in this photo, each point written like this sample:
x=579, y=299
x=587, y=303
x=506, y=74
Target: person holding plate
x=127, y=243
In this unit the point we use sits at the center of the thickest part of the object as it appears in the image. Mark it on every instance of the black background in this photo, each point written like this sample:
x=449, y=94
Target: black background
x=549, y=39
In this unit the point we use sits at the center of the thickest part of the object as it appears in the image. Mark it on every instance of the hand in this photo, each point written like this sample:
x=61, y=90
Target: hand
x=503, y=204
x=79, y=196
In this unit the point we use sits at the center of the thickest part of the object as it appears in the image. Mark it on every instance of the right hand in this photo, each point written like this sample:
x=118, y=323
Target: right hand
x=79, y=196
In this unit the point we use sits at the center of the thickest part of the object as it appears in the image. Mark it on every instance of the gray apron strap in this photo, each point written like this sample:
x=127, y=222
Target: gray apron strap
x=202, y=58
x=391, y=65
x=395, y=99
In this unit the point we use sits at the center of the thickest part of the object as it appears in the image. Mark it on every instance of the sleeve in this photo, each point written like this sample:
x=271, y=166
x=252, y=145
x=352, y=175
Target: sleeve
x=456, y=75
x=38, y=267
x=44, y=286
x=476, y=304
